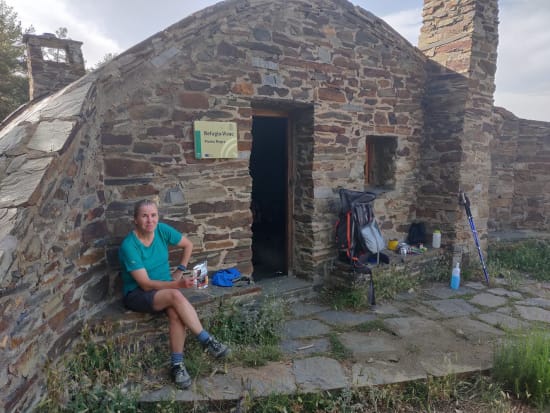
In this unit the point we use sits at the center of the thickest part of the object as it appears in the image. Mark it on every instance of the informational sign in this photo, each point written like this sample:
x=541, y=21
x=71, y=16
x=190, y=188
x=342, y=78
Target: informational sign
x=215, y=139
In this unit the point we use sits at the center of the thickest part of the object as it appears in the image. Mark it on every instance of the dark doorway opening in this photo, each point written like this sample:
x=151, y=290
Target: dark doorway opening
x=268, y=169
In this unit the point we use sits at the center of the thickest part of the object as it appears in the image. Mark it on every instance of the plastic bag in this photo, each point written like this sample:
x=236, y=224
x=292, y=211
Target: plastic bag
x=200, y=272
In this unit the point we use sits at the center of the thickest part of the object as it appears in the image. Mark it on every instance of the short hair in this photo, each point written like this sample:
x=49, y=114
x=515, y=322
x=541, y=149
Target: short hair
x=142, y=203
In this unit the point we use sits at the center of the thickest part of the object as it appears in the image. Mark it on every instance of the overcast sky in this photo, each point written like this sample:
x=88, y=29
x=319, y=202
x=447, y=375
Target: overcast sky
x=112, y=26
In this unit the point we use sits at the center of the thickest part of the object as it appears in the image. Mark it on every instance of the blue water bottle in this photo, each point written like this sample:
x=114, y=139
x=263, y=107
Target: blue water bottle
x=455, y=277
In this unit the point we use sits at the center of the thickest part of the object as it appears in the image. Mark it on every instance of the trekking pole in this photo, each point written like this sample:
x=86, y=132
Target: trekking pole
x=463, y=199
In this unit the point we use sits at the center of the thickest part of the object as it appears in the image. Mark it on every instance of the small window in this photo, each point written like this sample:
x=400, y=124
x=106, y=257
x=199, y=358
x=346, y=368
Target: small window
x=54, y=54
x=380, y=161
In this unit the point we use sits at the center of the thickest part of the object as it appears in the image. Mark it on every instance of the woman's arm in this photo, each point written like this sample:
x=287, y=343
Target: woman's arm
x=147, y=284
x=187, y=246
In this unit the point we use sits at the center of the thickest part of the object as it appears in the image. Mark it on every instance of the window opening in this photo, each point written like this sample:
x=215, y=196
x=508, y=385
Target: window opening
x=380, y=161
x=54, y=54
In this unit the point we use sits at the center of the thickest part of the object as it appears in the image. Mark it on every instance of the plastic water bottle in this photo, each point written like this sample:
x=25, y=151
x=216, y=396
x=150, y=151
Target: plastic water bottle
x=436, y=239
x=455, y=277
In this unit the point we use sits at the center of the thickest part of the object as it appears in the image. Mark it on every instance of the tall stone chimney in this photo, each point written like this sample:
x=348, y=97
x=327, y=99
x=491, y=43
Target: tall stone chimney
x=460, y=38
x=52, y=63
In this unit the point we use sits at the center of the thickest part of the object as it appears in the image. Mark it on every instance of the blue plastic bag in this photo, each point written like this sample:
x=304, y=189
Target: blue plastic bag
x=225, y=278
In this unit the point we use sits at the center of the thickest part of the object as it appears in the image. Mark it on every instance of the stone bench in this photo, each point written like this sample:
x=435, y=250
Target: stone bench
x=344, y=276
x=119, y=320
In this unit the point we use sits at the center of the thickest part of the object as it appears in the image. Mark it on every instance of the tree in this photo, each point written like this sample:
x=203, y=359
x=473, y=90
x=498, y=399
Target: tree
x=105, y=59
x=14, y=89
x=61, y=33
x=54, y=54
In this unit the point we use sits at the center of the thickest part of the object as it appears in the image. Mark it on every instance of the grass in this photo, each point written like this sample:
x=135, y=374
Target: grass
x=528, y=256
x=387, y=285
x=338, y=350
x=522, y=364
x=95, y=377
x=445, y=394
x=105, y=372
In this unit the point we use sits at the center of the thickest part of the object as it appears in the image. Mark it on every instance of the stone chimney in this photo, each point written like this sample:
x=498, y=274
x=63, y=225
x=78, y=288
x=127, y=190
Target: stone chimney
x=460, y=38
x=52, y=63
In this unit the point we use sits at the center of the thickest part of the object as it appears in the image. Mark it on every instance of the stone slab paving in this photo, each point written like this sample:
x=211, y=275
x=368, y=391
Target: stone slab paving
x=446, y=292
x=386, y=309
x=377, y=373
x=537, y=302
x=305, y=346
x=506, y=293
x=319, y=373
x=442, y=334
x=533, y=313
x=344, y=318
x=304, y=328
x=508, y=310
x=419, y=308
x=497, y=319
x=439, y=368
x=488, y=300
x=408, y=326
x=453, y=307
x=472, y=330
x=275, y=378
x=301, y=309
x=365, y=347
x=475, y=285
x=537, y=289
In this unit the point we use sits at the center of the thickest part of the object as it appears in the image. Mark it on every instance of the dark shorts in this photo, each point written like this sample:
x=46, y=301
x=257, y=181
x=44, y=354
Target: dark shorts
x=140, y=301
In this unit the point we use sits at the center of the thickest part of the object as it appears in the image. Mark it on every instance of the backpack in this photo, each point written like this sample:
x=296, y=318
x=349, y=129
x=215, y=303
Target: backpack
x=356, y=212
x=373, y=238
x=417, y=234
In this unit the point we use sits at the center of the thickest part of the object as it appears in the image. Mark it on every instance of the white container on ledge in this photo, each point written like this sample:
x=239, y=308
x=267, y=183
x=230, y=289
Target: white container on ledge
x=436, y=239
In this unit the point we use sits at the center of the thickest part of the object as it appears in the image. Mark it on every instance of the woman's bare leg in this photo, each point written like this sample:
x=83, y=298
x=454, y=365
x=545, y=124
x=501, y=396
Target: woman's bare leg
x=176, y=331
x=174, y=299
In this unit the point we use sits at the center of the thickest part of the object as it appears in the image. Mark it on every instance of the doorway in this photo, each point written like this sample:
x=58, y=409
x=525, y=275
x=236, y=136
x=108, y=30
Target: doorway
x=269, y=166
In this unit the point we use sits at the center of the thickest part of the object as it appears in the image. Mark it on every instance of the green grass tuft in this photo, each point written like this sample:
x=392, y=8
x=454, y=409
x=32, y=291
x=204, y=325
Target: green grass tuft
x=522, y=365
x=529, y=256
x=338, y=350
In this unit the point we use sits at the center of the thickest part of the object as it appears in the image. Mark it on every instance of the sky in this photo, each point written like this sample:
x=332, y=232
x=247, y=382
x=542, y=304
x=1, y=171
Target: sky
x=112, y=26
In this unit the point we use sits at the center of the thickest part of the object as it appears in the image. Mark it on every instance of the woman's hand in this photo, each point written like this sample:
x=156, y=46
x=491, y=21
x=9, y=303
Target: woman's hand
x=185, y=281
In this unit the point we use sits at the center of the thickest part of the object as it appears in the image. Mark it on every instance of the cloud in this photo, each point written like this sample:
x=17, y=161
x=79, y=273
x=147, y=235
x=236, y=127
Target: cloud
x=104, y=27
x=47, y=17
x=533, y=105
x=523, y=84
x=524, y=48
x=407, y=23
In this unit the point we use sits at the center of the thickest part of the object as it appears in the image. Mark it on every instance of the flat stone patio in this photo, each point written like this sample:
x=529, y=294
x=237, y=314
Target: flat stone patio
x=434, y=331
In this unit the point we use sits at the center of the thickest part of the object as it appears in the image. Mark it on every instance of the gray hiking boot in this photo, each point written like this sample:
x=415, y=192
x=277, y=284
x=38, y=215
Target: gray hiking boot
x=180, y=376
x=217, y=349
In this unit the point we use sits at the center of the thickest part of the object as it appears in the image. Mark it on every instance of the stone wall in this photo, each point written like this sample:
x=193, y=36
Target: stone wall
x=47, y=76
x=339, y=71
x=343, y=76
x=55, y=276
x=460, y=38
x=519, y=191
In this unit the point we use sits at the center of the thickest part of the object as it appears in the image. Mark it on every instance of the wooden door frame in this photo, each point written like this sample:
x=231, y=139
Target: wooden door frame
x=289, y=244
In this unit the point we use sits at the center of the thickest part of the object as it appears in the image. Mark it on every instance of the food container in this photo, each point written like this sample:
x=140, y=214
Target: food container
x=392, y=244
x=404, y=248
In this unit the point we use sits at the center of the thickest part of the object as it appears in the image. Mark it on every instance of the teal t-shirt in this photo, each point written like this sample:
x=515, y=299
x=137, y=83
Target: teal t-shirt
x=134, y=255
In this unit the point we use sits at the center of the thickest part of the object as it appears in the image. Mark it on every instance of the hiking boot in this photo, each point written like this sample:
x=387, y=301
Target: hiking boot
x=180, y=376
x=216, y=349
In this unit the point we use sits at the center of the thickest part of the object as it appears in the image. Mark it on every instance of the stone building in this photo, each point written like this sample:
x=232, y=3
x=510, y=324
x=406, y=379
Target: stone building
x=323, y=94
